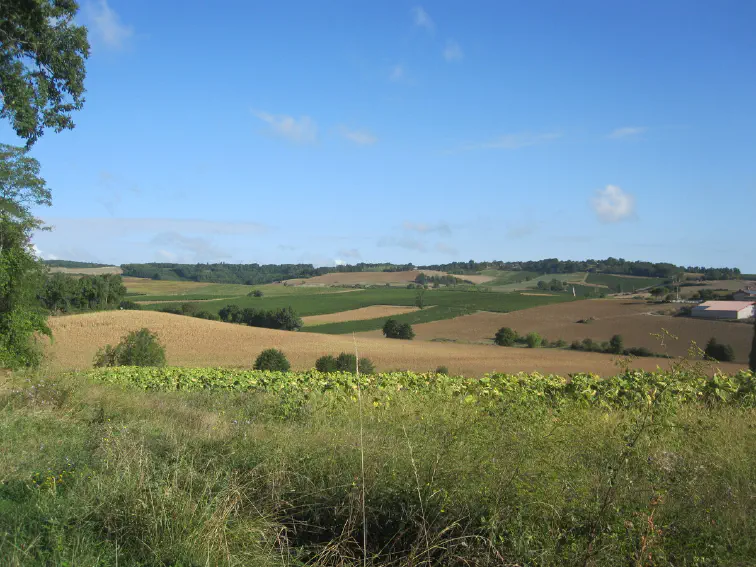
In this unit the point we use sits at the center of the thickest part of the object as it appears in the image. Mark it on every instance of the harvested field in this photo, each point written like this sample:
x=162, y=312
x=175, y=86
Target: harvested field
x=88, y=271
x=362, y=314
x=729, y=285
x=634, y=320
x=197, y=342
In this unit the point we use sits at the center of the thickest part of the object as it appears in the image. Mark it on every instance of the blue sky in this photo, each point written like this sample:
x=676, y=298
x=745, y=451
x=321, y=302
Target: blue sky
x=347, y=131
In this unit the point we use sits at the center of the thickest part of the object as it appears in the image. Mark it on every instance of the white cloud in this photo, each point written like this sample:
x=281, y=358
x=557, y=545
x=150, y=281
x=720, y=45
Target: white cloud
x=192, y=248
x=398, y=72
x=106, y=25
x=299, y=131
x=41, y=255
x=422, y=19
x=453, y=52
x=514, y=141
x=339, y=262
x=359, y=137
x=441, y=228
x=612, y=204
x=626, y=132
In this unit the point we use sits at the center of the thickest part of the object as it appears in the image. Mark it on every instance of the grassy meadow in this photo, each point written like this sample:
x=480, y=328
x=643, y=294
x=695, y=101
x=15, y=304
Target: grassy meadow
x=644, y=471
x=627, y=283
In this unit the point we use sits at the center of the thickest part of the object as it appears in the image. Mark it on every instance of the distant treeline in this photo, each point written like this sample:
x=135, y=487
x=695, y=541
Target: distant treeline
x=616, y=266
x=250, y=274
x=285, y=318
x=62, y=293
x=73, y=264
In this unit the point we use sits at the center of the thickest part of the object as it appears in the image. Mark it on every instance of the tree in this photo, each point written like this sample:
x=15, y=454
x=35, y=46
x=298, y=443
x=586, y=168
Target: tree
x=272, y=359
x=138, y=348
x=390, y=328
x=287, y=320
x=346, y=362
x=616, y=344
x=719, y=351
x=21, y=274
x=42, y=54
x=405, y=332
x=420, y=299
x=506, y=337
x=326, y=363
x=752, y=357
x=533, y=340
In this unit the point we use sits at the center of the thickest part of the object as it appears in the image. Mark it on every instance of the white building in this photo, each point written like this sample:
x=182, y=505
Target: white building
x=724, y=310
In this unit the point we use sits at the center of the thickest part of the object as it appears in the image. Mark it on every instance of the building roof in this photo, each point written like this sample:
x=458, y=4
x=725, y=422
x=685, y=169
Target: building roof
x=724, y=305
x=748, y=291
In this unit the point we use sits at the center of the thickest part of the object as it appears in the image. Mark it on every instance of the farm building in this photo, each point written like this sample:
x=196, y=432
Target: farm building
x=747, y=294
x=724, y=310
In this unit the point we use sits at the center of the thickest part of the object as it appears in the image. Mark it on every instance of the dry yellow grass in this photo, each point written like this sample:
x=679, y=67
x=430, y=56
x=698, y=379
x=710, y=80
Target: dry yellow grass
x=361, y=314
x=161, y=287
x=634, y=320
x=196, y=342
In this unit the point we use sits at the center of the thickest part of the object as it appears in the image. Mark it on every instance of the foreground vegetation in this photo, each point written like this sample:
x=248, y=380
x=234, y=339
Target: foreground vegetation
x=254, y=468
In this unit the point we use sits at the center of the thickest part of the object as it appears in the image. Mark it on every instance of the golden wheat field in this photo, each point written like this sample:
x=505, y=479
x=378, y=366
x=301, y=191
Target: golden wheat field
x=378, y=278
x=361, y=314
x=634, y=320
x=197, y=342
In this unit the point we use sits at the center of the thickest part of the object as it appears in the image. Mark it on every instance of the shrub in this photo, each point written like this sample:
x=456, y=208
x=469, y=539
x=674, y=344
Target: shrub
x=589, y=345
x=559, y=343
x=576, y=345
x=639, y=351
x=347, y=362
x=506, y=336
x=256, y=293
x=392, y=329
x=533, y=340
x=272, y=359
x=719, y=351
x=405, y=332
x=126, y=304
x=326, y=363
x=442, y=370
x=138, y=348
x=616, y=344
x=230, y=314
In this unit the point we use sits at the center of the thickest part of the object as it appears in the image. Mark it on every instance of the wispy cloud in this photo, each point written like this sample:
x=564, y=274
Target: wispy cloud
x=626, y=132
x=350, y=253
x=397, y=73
x=446, y=249
x=612, y=204
x=359, y=137
x=299, y=131
x=422, y=19
x=407, y=243
x=106, y=25
x=179, y=247
x=453, y=52
x=441, y=228
x=514, y=141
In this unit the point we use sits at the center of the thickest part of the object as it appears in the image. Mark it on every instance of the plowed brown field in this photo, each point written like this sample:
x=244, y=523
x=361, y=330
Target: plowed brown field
x=361, y=314
x=196, y=342
x=635, y=321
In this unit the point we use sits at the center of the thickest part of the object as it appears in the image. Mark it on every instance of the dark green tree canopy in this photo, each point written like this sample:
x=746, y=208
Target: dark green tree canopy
x=42, y=54
x=20, y=184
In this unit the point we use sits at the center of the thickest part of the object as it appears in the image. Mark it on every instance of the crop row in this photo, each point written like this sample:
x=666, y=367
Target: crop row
x=631, y=389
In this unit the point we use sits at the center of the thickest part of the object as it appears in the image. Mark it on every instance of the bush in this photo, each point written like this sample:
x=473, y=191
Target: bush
x=126, y=304
x=392, y=329
x=639, y=351
x=326, y=363
x=506, y=337
x=256, y=293
x=138, y=348
x=616, y=344
x=272, y=359
x=442, y=370
x=719, y=351
x=533, y=340
x=559, y=343
x=346, y=362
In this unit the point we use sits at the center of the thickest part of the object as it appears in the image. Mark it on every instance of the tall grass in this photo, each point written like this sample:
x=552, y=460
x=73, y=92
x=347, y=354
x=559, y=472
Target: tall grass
x=94, y=474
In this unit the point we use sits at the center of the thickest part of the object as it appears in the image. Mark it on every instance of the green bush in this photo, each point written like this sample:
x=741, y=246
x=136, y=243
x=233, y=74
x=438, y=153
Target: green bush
x=533, y=340
x=347, y=362
x=127, y=304
x=719, y=351
x=138, y=348
x=616, y=344
x=506, y=337
x=326, y=363
x=392, y=329
x=442, y=370
x=272, y=359
x=559, y=343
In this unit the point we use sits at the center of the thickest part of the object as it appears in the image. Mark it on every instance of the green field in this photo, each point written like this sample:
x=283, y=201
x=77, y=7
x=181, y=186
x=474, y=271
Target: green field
x=504, y=277
x=623, y=283
x=198, y=467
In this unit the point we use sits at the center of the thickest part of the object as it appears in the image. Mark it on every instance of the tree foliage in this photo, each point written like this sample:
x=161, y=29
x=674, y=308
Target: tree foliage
x=272, y=359
x=533, y=340
x=285, y=318
x=719, y=351
x=392, y=329
x=752, y=356
x=42, y=54
x=64, y=293
x=138, y=348
x=506, y=337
